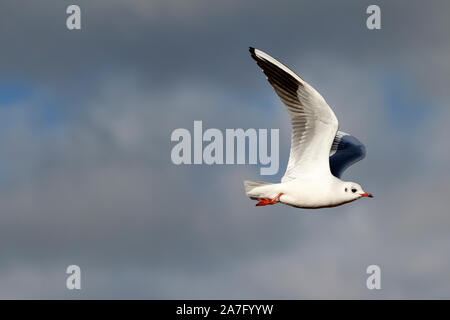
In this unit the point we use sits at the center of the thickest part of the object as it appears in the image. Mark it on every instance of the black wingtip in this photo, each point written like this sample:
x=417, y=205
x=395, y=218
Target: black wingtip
x=252, y=52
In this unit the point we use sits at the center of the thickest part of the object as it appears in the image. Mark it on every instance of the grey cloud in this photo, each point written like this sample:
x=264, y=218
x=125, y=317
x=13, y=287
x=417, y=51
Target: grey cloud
x=97, y=188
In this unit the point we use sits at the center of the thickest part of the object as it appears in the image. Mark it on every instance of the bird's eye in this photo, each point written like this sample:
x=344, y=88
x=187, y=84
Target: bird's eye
x=353, y=190
x=345, y=189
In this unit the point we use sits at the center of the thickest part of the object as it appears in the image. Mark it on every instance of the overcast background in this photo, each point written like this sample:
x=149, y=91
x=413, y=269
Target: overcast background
x=85, y=170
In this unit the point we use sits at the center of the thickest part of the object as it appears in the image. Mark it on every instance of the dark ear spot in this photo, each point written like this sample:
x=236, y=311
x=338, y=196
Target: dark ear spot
x=346, y=189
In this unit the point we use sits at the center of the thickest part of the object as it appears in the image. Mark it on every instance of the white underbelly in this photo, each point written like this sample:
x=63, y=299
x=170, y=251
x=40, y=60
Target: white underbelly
x=306, y=194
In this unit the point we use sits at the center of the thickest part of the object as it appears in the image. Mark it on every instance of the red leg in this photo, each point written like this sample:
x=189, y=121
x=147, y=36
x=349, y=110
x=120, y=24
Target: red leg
x=267, y=201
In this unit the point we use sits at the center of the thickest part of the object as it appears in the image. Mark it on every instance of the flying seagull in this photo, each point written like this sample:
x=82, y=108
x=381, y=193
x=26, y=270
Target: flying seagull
x=319, y=152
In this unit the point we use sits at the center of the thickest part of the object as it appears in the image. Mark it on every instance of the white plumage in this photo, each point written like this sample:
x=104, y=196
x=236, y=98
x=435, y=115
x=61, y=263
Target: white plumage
x=308, y=182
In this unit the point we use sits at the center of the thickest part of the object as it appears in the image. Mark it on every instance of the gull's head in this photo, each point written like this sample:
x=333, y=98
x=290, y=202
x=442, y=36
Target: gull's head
x=353, y=191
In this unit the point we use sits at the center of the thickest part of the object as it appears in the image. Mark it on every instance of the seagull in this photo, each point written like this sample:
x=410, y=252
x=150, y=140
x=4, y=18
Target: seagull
x=319, y=152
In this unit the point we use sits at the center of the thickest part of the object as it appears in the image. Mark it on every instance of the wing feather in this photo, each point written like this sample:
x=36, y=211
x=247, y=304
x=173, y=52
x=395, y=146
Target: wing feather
x=345, y=151
x=314, y=124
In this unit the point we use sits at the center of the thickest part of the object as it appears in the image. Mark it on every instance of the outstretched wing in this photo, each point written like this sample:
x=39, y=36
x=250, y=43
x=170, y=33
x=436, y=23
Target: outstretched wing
x=314, y=124
x=345, y=151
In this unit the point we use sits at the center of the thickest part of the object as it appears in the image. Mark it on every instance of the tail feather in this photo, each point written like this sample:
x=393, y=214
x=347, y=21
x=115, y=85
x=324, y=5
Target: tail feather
x=251, y=185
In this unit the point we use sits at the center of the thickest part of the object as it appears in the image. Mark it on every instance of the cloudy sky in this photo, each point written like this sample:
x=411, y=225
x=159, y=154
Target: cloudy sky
x=85, y=170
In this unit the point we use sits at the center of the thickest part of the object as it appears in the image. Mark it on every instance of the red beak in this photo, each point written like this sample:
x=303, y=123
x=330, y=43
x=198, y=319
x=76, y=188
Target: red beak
x=368, y=195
